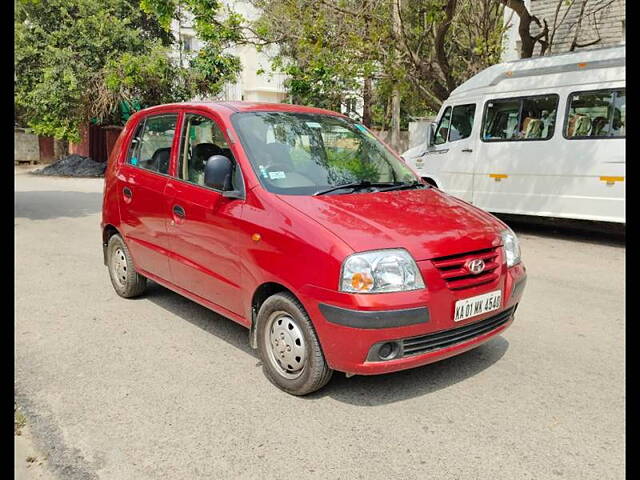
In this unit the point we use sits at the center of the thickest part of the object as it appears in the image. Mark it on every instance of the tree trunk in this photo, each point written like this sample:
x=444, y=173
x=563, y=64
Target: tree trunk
x=395, y=94
x=366, y=99
x=524, y=28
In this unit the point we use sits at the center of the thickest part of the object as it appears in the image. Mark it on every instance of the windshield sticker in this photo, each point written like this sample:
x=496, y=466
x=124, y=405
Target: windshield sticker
x=276, y=175
x=313, y=125
x=362, y=128
x=134, y=161
x=263, y=171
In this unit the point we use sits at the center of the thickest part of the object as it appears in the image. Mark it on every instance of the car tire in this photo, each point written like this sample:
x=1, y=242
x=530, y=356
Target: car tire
x=288, y=346
x=126, y=281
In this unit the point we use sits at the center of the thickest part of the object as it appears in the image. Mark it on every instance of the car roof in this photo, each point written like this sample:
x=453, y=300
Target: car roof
x=242, y=107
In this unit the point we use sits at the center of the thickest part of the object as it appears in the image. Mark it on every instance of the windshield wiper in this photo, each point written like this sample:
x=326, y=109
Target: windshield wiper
x=354, y=185
x=404, y=186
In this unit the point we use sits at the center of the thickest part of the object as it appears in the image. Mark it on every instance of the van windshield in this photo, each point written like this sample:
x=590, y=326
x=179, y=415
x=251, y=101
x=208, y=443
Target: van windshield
x=302, y=154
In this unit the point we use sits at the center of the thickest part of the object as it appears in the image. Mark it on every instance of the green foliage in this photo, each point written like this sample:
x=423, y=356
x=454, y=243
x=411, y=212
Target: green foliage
x=78, y=60
x=329, y=48
x=211, y=68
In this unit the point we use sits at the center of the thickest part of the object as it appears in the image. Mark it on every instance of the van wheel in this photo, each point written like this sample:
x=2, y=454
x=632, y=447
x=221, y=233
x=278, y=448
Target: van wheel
x=289, y=348
x=125, y=280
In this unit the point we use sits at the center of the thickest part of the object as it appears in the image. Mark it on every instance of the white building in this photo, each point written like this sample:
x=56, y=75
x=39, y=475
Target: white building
x=256, y=82
x=602, y=25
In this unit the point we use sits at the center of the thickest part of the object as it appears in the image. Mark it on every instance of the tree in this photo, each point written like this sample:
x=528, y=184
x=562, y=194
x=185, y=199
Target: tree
x=333, y=50
x=569, y=15
x=78, y=60
x=217, y=29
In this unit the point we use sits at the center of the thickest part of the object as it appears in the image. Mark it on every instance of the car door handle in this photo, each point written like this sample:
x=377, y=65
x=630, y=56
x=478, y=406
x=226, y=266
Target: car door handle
x=468, y=150
x=126, y=191
x=178, y=211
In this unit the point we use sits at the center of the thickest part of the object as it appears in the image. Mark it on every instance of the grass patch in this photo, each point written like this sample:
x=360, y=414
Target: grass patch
x=19, y=420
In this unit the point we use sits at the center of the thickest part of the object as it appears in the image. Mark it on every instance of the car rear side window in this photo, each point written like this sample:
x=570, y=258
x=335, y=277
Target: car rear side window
x=150, y=147
x=596, y=114
x=520, y=119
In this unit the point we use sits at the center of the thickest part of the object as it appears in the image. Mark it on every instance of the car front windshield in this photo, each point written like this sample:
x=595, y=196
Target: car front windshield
x=302, y=154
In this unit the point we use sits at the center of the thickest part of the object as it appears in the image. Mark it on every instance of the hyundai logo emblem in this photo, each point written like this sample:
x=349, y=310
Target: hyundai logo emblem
x=475, y=266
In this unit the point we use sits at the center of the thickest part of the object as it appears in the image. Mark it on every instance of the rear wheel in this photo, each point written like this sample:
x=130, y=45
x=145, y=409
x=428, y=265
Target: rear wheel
x=289, y=348
x=125, y=280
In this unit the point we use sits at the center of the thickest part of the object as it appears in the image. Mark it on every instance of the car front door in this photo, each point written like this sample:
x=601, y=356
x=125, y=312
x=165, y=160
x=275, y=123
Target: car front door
x=204, y=225
x=451, y=159
x=142, y=178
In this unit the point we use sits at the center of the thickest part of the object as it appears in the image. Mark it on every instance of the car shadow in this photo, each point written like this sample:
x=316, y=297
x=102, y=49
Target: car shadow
x=211, y=322
x=371, y=391
x=45, y=205
x=357, y=390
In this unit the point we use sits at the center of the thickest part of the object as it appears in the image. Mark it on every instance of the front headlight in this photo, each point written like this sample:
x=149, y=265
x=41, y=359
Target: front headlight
x=380, y=271
x=511, y=247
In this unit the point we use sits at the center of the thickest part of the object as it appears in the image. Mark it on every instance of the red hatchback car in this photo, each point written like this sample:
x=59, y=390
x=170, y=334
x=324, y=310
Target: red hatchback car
x=299, y=224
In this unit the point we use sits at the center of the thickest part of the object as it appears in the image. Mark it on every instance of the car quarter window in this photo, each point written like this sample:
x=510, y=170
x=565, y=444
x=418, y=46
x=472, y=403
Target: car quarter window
x=201, y=139
x=520, y=119
x=596, y=114
x=150, y=147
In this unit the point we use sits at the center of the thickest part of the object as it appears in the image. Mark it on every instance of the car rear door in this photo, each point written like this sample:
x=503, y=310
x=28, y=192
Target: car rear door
x=204, y=225
x=142, y=179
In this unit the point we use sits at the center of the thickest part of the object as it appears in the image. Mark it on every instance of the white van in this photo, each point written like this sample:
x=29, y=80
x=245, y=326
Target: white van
x=541, y=136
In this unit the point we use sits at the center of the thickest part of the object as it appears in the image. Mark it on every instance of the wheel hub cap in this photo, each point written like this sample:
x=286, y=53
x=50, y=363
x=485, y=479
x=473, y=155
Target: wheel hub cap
x=119, y=264
x=287, y=348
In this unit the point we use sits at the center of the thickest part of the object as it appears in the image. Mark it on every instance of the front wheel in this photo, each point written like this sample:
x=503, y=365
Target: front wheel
x=289, y=348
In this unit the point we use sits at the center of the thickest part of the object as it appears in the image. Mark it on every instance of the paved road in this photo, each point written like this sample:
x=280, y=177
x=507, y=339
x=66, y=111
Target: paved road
x=160, y=387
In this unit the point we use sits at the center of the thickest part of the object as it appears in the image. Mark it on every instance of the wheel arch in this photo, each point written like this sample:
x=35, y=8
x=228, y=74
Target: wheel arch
x=107, y=232
x=261, y=293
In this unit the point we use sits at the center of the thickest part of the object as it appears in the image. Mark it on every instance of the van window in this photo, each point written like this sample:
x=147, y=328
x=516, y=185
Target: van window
x=525, y=118
x=200, y=140
x=442, y=132
x=462, y=121
x=151, y=145
x=596, y=114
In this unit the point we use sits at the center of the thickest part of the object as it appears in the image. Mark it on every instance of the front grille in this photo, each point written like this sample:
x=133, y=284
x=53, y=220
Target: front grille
x=446, y=338
x=453, y=271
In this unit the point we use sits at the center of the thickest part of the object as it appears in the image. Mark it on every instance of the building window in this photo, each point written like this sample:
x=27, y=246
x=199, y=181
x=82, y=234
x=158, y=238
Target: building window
x=187, y=43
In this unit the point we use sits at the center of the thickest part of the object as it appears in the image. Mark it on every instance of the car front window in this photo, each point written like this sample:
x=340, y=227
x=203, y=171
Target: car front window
x=301, y=154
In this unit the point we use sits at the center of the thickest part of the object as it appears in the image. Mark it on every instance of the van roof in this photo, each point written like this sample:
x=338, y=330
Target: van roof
x=560, y=63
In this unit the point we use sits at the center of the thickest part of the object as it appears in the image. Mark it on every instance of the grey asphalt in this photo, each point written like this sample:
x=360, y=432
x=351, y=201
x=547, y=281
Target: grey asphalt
x=162, y=388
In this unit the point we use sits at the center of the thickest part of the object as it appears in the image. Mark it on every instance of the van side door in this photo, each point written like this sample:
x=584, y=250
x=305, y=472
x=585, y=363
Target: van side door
x=520, y=167
x=204, y=225
x=450, y=161
x=141, y=180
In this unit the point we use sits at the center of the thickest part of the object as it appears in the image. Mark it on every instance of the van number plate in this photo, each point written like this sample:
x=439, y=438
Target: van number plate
x=470, y=307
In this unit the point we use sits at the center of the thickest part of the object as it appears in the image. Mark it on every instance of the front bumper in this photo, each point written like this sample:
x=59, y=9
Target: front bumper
x=349, y=342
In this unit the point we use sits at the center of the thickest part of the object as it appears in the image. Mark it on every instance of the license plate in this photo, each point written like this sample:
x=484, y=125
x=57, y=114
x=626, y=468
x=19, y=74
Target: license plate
x=470, y=307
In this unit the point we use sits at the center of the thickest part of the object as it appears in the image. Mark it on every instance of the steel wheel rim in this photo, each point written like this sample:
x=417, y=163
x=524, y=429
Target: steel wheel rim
x=119, y=267
x=285, y=345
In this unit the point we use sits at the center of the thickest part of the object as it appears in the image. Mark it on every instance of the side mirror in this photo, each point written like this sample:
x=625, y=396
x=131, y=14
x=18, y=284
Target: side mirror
x=218, y=172
x=431, y=133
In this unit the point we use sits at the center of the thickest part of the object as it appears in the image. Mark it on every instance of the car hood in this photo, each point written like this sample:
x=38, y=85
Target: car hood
x=428, y=223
